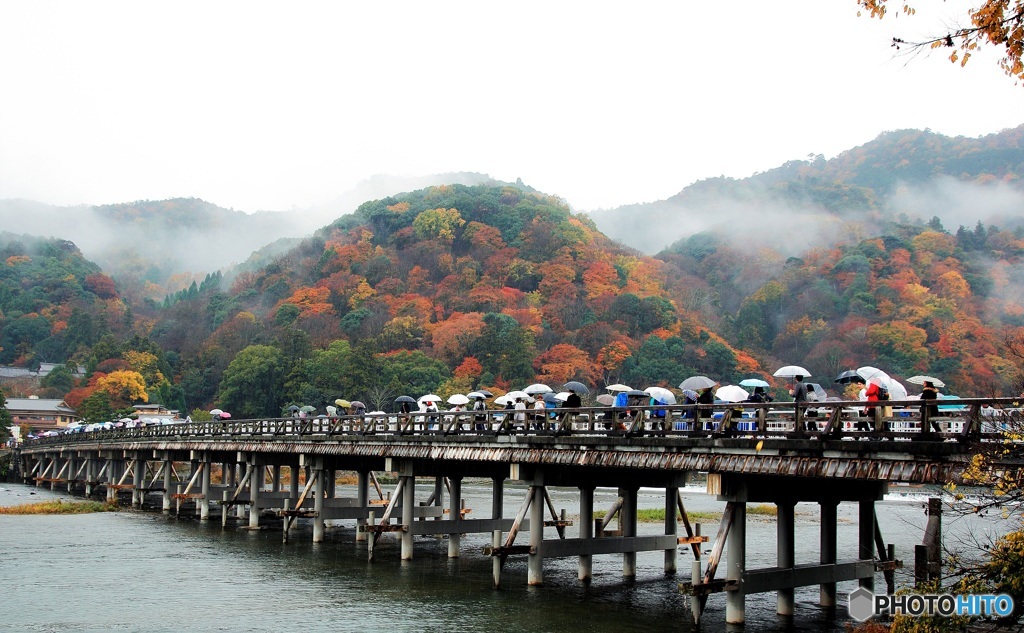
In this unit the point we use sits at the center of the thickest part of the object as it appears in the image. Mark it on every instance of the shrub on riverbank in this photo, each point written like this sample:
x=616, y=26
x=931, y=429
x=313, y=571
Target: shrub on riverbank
x=60, y=507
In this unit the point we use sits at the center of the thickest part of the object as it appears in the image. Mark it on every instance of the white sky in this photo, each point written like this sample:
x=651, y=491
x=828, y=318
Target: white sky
x=256, y=105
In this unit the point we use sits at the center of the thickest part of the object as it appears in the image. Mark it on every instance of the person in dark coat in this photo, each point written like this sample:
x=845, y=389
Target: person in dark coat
x=930, y=394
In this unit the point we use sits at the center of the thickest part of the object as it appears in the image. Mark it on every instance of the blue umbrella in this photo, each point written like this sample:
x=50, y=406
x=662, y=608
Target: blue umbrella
x=754, y=382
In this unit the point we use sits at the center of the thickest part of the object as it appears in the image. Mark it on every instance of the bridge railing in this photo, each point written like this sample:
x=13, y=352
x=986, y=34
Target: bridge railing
x=909, y=419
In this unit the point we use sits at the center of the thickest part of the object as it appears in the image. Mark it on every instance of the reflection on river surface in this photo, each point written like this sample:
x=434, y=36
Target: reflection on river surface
x=143, y=571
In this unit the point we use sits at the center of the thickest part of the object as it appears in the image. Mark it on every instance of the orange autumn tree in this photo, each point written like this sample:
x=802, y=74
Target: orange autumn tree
x=562, y=363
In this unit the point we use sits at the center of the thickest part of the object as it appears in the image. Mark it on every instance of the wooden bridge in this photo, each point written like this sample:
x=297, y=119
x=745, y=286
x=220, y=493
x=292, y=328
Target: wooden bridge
x=775, y=453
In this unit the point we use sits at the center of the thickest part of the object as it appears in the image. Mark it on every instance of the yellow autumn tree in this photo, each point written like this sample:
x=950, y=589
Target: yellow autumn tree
x=124, y=387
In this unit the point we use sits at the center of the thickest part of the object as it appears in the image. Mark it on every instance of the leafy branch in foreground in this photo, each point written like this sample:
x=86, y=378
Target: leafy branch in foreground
x=998, y=23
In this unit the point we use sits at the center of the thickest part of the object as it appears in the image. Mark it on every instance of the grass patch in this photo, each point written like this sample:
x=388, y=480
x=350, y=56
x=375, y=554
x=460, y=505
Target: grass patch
x=60, y=507
x=657, y=515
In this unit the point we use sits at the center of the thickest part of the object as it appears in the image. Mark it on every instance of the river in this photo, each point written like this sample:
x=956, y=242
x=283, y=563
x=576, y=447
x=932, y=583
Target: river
x=145, y=571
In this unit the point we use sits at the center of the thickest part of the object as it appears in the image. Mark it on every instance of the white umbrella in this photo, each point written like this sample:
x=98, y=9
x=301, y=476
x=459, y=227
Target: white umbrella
x=429, y=398
x=515, y=395
x=732, y=393
x=661, y=393
x=562, y=395
x=920, y=380
x=619, y=387
x=537, y=387
x=697, y=382
x=476, y=394
x=606, y=399
x=457, y=399
x=215, y=412
x=790, y=371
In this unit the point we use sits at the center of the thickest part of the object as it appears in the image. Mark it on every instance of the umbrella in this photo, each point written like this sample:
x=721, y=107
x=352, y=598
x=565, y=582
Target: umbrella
x=754, y=382
x=920, y=380
x=515, y=395
x=606, y=399
x=578, y=387
x=485, y=392
x=868, y=372
x=536, y=388
x=691, y=394
x=561, y=396
x=293, y=409
x=225, y=415
x=430, y=398
x=307, y=409
x=408, y=399
x=791, y=370
x=550, y=397
x=849, y=376
x=732, y=393
x=820, y=395
x=215, y=412
x=636, y=393
x=477, y=394
x=355, y=404
x=344, y=404
x=457, y=399
x=697, y=382
x=619, y=387
x=661, y=393
x=503, y=400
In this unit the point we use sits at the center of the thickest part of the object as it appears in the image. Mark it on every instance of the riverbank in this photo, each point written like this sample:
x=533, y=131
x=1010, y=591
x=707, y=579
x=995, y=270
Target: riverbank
x=59, y=506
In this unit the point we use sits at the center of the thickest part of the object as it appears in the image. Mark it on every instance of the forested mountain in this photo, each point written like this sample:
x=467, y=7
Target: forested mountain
x=456, y=287
x=960, y=180
x=153, y=247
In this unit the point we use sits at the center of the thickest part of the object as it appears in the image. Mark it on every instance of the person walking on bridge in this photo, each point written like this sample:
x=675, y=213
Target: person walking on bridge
x=799, y=393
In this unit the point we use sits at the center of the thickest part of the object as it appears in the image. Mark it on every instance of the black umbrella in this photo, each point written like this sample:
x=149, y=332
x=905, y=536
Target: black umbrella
x=849, y=376
x=293, y=408
x=576, y=386
x=405, y=399
x=485, y=392
x=636, y=393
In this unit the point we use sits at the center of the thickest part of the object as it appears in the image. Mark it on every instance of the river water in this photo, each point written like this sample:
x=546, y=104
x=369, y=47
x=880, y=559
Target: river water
x=144, y=571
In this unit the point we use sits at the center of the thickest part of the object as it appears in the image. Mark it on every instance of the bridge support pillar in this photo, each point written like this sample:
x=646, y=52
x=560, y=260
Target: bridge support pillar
x=204, y=503
x=56, y=471
x=497, y=497
x=866, y=537
x=275, y=485
x=628, y=520
x=138, y=481
x=535, y=564
x=168, y=475
x=408, y=507
x=239, y=474
x=586, y=566
x=735, y=607
x=113, y=473
x=362, y=499
x=455, y=514
x=90, y=473
x=319, y=491
x=786, y=552
x=255, y=483
x=829, y=521
x=71, y=474
x=293, y=484
x=671, y=527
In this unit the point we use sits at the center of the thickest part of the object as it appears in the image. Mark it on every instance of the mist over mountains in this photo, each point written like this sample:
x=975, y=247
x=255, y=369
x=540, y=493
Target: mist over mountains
x=156, y=247
x=820, y=202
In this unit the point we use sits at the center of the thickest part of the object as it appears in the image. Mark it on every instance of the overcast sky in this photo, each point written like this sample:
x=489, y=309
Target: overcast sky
x=256, y=105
